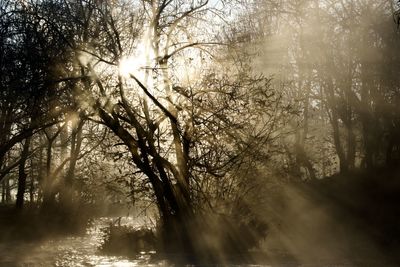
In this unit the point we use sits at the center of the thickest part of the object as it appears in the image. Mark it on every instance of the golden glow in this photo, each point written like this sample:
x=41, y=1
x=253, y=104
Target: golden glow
x=137, y=63
x=128, y=65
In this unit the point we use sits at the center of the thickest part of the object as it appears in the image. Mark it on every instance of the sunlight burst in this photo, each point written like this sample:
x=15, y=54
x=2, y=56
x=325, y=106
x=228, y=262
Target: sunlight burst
x=128, y=65
x=139, y=61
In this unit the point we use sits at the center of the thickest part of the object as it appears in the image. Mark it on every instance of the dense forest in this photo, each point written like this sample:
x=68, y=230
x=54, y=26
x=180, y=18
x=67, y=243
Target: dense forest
x=227, y=128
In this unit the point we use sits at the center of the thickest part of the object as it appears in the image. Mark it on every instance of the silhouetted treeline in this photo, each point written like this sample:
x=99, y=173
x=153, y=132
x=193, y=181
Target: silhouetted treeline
x=338, y=63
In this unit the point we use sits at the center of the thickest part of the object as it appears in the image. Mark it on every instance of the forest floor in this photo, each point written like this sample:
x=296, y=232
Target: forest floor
x=352, y=218
x=343, y=220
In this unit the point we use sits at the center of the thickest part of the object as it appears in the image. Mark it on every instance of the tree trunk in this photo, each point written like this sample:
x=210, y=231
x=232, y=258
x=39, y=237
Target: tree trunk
x=76, y=142
x=22, y=174
x=301, y=137
x=351, y=148
x=48, y=195
x=31, y=184
x=40, y=175
x=8, y=191
x=366, y=112
x=175, y=212
x=334, y=118
x=3, y=191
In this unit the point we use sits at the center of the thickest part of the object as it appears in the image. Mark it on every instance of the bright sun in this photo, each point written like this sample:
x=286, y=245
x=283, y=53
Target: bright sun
x=133, y=64
x=128, y=65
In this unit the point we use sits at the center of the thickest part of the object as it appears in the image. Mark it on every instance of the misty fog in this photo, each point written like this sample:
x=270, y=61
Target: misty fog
x=199, y=133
